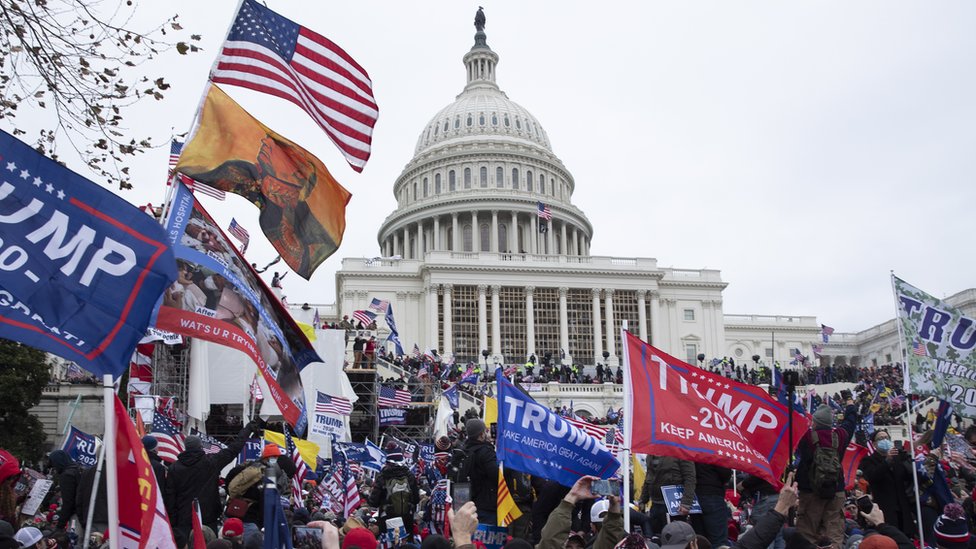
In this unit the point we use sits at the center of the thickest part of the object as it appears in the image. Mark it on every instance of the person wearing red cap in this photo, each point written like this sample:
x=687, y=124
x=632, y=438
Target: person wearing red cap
x=9, y=473
x=244, y=484
x=233, y=531
x=360, y=538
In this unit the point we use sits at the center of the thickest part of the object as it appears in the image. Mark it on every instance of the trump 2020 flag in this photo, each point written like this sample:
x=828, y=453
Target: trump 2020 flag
x=81, y=446
x=536, y=441
x=675, y=409
x=80, y=268
x=303, y=208
x=939, y=341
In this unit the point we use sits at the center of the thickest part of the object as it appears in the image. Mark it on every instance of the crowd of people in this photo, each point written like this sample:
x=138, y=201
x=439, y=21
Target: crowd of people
x=410, y=493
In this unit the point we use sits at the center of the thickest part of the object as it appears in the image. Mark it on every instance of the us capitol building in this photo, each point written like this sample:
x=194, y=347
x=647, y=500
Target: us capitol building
x=469, y=265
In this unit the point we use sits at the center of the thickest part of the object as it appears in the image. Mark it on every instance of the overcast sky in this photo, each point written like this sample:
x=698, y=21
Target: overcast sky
x=805, y=149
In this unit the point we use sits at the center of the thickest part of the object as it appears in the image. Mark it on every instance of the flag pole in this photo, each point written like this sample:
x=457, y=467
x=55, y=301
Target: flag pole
x=94, y=495
x=908, y=416
x=112, y=474
x=628, y=425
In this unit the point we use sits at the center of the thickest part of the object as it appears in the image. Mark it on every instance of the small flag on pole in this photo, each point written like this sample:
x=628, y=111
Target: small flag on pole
x=545, y=212
x=364, y=317
x=240, y=233
x=175, y=150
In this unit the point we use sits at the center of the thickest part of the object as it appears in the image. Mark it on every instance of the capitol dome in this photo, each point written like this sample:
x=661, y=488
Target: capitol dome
x=484, y=178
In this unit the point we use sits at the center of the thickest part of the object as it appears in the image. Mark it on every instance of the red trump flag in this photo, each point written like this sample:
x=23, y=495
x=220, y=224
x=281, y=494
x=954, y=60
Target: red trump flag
x=678, y=410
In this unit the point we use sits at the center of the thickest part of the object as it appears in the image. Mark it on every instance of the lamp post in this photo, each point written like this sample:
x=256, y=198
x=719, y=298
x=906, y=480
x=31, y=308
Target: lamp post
x=485, y=354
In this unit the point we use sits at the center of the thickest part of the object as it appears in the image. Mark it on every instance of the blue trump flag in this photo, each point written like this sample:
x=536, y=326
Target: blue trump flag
x=80, y=268
x=536, y=441
x=277, y=534
x=394, y=334
x=81, y=447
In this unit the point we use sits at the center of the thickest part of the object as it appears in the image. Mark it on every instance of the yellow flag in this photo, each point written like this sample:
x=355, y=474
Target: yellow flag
x=308, y=330
x=508, y=512
x=638, y=468
x=308, y=450
x=491, y=410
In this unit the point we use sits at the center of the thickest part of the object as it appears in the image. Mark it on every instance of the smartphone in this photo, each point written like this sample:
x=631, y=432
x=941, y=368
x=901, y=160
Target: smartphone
x=609, y=487
x=460, y=494
x=307, y=537
x=494, y=431
x=864, y=504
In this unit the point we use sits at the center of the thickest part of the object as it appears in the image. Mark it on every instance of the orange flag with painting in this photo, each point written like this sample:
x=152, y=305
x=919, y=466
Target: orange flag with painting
x=303, y=208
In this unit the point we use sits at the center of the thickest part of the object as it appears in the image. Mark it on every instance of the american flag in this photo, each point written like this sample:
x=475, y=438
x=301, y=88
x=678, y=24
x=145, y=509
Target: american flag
x=599, y=432
x=256, y=392
x=826, y=332
x=239, y=232
x=316, y=320
x=352, y=497
x=545, y=212
x=271, y=54
x=438, y=507
x=169, y=437
x=327, y=404
x=175, y=149
x=210, y=444
x=416, y=351
x=393, y=398
x=301, y=469
x=379, y=306
x=817, y=349
x=918, y=348
x=365, y=317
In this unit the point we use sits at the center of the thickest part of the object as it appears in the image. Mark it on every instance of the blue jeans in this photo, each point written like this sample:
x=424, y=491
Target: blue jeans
x=763, y=506
x=713, y=522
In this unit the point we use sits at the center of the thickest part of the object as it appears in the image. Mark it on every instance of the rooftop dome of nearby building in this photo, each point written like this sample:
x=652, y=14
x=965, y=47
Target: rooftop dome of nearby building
x=482, y=110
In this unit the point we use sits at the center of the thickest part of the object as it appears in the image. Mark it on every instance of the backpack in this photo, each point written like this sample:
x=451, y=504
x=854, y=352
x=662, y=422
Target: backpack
x=248, y=477
x=825, y=471
x=398, y=494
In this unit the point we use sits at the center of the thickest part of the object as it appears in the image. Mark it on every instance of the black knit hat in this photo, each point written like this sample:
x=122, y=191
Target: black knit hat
x=951, y=530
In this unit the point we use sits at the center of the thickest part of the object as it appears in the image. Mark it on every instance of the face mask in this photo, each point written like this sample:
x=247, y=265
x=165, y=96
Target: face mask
x=272, y=461
x=885, y=445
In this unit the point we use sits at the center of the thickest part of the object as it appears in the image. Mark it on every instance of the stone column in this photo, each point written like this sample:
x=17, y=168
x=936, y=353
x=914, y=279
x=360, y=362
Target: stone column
x=513, y=234
x=642, y=314
x=564, y=324
x=563, y=249
x=475, y=235
x=575, y=241
x=529, y=320
x=532, y=235
x=448, y=319
x=455, y=235
x=496, y=321
x=493, y=237
x=550, y=238
x=431, y=290
x=597, y=331
x=406, y=243
x=437, y=233
x=482, y=318
x=420, y=240
x=611, y=327
x=655, y=319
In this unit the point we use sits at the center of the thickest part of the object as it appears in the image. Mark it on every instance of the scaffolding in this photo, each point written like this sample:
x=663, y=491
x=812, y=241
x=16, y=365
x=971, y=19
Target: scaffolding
x=171, y=369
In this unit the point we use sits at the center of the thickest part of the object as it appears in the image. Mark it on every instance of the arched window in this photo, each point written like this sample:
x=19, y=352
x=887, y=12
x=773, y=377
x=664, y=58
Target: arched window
x=457, y=122
x=445, y=125
x=528, y=180
x=503, y=238
x=467, y=236
x=426, y=188
x=481, y=119
x=437, y=183
x=507, y=123
x=552, y=187
x=542, y=184
x=469, y=120
x=518, y=123
x=515, y=179
x=415, y=190
x=499, y=177
x=451, y=181
x=485, y=233
x=413, y=246
x=483, y=180
x=467, y=178
x=436, y=127
x=494, y=119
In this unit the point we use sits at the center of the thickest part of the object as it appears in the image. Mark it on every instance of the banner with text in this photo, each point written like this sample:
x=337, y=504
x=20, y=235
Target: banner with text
x=82, y=447
x=80, y=268
x=536, y=441
x=328, y=426
x=392, y=416
x=685, y=412
x=938, y=341
x=218, y=297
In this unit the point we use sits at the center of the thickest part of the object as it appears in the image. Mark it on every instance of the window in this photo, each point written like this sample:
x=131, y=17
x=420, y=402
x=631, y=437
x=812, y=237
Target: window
x=483, y=179
x=469, y=120
x=507, y=124
x=494, y=119
x=450, y=239
x=426, y=187
x=467, y=178
x=457, y=122
x=415, y=190
x=499, y=177
x=552, y=187
x=542, y=183
x=467, y=236
x=437, y=183
x=451, y=181
x=888, y=358
x=436, y=127
x=515, y=179
x=481, y=119
x=518, y=123
x=528, y=180
x=691, y=353
x=484, y=234
x=689, y=314
x=769, y=352
x=445, y=126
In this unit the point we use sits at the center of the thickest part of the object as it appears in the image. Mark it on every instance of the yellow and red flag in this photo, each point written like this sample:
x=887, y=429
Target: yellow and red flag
x=303, y=208
x=508, y=511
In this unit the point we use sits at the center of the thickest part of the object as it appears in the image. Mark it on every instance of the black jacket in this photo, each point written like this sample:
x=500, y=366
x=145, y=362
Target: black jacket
x=194, y=474
x=69, y=484
x=805, y=449
x=891, y=482
x=378, y=497
x=159, y=469
x=86, y=485
x=710, y=480
x=481, y=470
